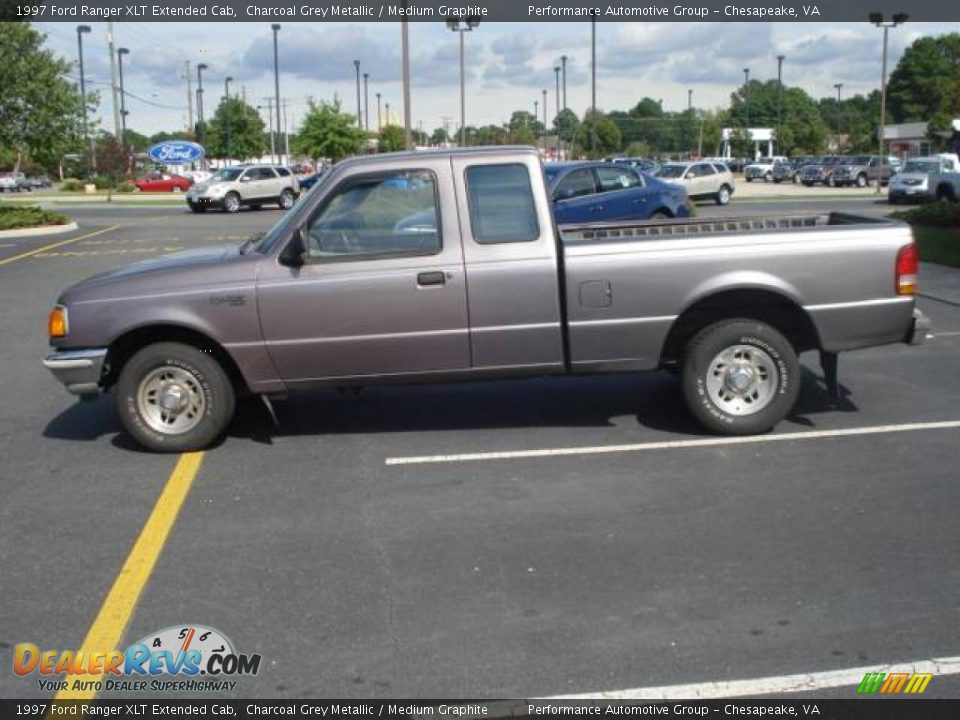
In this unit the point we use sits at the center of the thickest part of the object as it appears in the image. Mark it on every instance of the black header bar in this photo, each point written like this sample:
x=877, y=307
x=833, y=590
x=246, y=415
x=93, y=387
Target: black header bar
x=74, y=11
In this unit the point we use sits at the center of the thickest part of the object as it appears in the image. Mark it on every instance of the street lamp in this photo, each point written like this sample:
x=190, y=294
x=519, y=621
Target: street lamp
x=356, y=66
x=366, y=102
x=780, y=59
x=226, y=115
x=556, y=72
x=123, y=103
x=386, y=112
x=746, y=93
x=877, y=19
x=689, y=99
x=200, y=68
x=456, y=25
x=276, y=77
x=81, y=29
x=379, y=118
x=563, y=65
x=838, y=87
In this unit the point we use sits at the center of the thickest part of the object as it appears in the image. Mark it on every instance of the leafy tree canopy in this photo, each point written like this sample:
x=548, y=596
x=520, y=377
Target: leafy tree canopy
x=326, y=132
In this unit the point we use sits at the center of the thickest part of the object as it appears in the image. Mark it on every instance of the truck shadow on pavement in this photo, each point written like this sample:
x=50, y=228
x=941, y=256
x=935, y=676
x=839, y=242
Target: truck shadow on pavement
x=648, y=400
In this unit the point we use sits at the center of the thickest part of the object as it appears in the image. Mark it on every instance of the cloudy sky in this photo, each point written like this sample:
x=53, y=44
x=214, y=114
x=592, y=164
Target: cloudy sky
x=508, y=64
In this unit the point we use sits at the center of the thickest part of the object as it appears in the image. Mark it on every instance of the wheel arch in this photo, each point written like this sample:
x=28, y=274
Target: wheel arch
x=763, y=303
x=127, y=344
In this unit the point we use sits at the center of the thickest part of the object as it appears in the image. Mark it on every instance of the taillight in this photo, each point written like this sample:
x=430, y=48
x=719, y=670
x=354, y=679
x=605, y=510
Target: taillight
x=908, y=263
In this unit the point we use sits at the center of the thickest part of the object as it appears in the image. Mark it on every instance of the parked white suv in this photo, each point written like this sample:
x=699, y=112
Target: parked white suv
x=700, y=179
x=251, y=185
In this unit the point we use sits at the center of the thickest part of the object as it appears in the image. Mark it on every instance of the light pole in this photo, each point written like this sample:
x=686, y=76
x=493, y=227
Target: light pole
x=746, y=93
x=838, y=87
x=226, y=115
x=386, y=112
x=877, y=19
x=379, y=119
x=405, y=67
x=356, y=66
x=200, y=68
x=123, y=103
x=81, y=29
x=536, y=119
x=458, y=26
x=366, y=102
x=556, y=72
x=563, y=65
x=689, y=99
x=276, y=77
x=780, y=59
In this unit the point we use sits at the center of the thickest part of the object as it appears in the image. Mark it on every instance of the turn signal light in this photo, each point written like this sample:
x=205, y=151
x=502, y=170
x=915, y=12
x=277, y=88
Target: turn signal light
x=57, y=322
x=908, y=264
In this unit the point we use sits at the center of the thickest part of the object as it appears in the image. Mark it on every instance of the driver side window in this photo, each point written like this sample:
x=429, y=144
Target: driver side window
x=375, y=216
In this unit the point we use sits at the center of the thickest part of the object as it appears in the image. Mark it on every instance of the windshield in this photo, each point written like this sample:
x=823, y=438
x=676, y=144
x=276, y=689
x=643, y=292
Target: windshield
x=226, y=175
x=671, y=171
x=921, y=166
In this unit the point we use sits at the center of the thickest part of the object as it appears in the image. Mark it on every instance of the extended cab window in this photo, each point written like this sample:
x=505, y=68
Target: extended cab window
x=616, y=179
x=501, y=204
x=377, y=215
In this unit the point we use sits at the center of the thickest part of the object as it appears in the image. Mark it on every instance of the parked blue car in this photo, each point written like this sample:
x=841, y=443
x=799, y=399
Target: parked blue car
x=588, y=192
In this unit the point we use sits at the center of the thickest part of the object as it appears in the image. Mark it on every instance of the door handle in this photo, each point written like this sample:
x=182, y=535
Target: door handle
x=596, y=208
x=431, y=278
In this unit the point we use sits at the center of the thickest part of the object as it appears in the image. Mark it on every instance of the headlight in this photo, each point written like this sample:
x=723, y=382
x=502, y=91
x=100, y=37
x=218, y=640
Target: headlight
x=57, y=324
x=216, y=190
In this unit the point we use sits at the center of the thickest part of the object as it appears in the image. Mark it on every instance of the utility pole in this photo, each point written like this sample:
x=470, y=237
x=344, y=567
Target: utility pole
x=563, y=65
x=780, y=59
x=113, y=82
x=276, y=74
x=556, y=72
x=690, y=99
x=877, y=19
x=405, y=52
x=366, y=102
x=286, y=134
x=379, y=116
x=356, y=66
x=123, y=103
x=593, y=86
x=189, y=77
x=81, y=30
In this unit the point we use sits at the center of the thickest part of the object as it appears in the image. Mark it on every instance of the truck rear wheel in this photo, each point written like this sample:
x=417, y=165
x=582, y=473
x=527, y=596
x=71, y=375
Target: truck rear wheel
x=740, y=377
x=174, y=398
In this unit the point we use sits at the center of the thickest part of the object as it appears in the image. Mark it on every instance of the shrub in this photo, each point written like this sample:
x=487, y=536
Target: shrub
x=72, y=185
x=126, y=187
x=13, y=217
x=940, y=214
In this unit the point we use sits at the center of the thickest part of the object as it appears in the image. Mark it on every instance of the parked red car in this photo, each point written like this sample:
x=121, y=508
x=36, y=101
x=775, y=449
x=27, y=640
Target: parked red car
x=161, y=182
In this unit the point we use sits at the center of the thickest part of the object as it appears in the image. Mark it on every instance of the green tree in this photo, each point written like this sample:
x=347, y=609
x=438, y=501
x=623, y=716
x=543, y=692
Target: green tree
x=802, y=129
x=236, y=131
x=135, y=142
x=926, y=81
x=566, y=125
x=175, y=135
x=41, y=111
x=439, y=137
x=647, y=108
x=598, y=136
x=392, y=138
x=326, y=132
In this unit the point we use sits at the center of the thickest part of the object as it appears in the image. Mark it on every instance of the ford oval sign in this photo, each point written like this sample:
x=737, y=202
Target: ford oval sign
x=176, y=152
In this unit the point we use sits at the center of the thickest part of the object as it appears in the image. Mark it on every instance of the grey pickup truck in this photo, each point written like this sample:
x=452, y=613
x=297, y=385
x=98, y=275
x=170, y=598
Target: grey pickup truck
x=447, y=266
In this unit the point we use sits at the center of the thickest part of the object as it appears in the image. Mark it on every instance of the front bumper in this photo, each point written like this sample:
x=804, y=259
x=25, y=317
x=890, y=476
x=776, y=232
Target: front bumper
x=202, y=201
x=80, y=371
x=908, y=191
x=919, y=328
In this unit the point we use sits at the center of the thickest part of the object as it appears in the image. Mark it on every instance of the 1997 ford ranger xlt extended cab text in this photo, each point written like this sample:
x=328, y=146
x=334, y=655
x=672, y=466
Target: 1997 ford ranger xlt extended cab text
x=447, y=266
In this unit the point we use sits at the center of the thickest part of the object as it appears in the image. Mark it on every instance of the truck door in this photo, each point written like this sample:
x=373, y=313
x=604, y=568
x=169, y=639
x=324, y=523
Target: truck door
x=511, y=263
x=383, y=290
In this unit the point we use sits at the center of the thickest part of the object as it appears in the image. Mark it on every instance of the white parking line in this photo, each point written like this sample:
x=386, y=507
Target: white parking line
x=671, y=444
x=946, y=334
x=804, y=682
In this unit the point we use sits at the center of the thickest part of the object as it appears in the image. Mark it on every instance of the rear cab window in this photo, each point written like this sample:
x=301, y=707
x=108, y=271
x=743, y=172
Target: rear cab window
x=501, y=203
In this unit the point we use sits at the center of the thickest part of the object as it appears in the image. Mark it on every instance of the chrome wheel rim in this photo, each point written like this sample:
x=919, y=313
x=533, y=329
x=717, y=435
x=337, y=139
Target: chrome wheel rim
x=724, y=196
x=286, y=201
x=742, y=380
x=233, y=203
x=171, y=400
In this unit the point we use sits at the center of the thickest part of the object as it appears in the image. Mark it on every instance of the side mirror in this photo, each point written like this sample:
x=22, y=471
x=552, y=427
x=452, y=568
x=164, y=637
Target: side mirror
x=245, y=178
x=294, y=254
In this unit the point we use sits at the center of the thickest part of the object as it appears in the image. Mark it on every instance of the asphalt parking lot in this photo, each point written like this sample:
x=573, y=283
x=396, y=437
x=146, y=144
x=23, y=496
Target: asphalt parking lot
x=359, y=552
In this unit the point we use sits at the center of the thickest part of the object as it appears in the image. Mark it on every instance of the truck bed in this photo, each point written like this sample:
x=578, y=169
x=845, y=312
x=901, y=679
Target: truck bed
x=712, y=226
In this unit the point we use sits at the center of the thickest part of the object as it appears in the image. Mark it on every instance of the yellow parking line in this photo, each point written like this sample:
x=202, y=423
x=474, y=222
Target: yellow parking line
x=111, y=622
x=5, y=261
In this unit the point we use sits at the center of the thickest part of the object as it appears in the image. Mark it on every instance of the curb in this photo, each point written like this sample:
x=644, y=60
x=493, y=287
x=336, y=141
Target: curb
x=38, y=231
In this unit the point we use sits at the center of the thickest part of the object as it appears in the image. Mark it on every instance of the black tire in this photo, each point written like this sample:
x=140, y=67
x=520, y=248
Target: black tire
x=660, y=215
x=783, y=386
x=723, y=195
x=768, y=177
x=945, y=193
x=286, y=199
x=862, y=181
x=210, y=380
x=197, y=207
x=231, y=203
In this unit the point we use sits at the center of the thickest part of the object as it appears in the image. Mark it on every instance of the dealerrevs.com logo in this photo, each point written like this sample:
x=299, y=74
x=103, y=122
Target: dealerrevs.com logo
x=192, y=657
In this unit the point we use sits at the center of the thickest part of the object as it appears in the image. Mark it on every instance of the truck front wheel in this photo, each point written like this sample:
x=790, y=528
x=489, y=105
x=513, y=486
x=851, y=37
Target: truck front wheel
x=740, y=377
x=174, y=398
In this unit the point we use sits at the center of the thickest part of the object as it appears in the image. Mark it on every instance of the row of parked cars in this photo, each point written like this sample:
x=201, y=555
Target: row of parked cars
x=18, y=182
